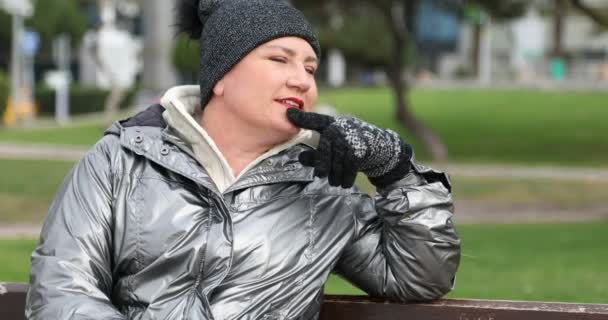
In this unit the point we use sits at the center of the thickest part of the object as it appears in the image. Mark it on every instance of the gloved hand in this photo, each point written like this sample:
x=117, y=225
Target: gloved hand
x=348, y=145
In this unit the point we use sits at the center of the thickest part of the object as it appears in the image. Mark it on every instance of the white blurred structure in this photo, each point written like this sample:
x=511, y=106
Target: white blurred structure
x=528, y=44
x=22, y=8
x=520, y=48
x=61, y=78
x=110, y=56
x=336, y=68
x=118, y=52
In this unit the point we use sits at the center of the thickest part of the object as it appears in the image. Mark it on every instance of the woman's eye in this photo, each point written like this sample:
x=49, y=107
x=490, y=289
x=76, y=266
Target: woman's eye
x=311, y=70
x=278, y=59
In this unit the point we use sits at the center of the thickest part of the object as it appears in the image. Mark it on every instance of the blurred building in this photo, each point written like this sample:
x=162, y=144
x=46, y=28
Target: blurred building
x=522, y=49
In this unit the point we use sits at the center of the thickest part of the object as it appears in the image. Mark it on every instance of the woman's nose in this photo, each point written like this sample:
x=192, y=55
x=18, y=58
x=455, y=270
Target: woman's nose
x=300, y=80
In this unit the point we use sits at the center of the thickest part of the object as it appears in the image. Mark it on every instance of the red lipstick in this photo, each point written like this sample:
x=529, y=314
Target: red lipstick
x=291, y=102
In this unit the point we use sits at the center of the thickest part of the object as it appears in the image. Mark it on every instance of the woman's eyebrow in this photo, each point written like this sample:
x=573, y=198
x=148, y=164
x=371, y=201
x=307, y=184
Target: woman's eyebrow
x=292, y=53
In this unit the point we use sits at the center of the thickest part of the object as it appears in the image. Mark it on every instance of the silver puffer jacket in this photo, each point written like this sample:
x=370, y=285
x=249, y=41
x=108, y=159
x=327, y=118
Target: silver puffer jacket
x=139, y=231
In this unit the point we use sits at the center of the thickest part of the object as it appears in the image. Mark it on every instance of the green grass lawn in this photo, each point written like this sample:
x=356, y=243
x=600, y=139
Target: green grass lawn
x=27, y=188
x=559, y=262
x=528, y=127
x=72, y=135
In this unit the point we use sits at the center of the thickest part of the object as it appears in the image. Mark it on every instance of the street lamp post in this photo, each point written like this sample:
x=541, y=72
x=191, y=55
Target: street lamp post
x=18, y=104
x=16, y=63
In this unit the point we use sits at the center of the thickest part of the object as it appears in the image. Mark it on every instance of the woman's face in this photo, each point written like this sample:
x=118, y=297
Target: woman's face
x=275, y=76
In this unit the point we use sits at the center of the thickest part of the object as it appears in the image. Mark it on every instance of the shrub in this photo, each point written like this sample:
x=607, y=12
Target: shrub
x=82, y=100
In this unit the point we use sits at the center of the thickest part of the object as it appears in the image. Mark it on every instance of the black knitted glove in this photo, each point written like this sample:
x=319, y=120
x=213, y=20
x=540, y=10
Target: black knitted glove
x=348, y=145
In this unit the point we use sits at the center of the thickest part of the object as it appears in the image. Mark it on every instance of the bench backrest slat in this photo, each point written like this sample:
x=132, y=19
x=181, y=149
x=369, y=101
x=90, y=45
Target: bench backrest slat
x=12, y=304
x=12, y=301
x=349, y=307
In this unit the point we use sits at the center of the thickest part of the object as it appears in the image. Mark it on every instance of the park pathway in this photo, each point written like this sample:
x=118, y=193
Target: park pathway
x=71, y=153
x=467, y=212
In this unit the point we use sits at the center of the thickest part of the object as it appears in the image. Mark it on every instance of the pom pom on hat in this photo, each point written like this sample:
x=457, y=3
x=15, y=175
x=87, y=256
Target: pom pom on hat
x=191, y=16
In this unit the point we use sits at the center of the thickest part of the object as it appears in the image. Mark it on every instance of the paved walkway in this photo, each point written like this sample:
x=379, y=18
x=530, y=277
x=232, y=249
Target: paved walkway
x=71, y=153
x=40, y=152
x=19, y=231
x=467, y=211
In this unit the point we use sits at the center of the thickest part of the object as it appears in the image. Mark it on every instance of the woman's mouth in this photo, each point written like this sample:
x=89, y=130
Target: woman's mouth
x=291, y=103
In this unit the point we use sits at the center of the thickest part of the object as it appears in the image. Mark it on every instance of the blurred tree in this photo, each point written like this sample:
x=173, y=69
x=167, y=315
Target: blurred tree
x=55, y=17
x=5, y=39
x=558, y=11
x=478, y=12
x=376, y=34
x=50, y=19
x=185, y=57
x=599, y=15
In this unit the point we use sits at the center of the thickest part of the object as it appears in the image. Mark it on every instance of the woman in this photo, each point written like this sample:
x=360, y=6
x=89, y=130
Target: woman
x=220, y=203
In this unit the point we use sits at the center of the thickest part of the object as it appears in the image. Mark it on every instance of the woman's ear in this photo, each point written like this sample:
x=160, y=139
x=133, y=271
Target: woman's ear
x=218, y=89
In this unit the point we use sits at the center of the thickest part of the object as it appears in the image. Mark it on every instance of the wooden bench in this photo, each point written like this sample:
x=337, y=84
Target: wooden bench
x=12, y=303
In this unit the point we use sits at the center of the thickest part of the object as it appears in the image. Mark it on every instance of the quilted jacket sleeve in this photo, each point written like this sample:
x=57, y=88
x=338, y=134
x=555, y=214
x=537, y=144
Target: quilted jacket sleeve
x=70, y=276
x=405, y=247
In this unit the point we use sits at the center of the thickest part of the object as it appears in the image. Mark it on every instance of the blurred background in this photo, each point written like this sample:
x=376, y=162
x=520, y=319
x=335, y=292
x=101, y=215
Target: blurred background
x=509, y=97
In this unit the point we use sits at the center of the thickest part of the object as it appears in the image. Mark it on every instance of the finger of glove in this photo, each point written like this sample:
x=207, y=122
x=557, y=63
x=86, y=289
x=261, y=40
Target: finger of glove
x=309, y=120
x=336, y=174
x=350, y=170
x=323, y=157
x=307, y=158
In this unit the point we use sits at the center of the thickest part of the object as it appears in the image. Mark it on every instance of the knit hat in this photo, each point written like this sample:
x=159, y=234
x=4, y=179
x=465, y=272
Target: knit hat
x=229, y=29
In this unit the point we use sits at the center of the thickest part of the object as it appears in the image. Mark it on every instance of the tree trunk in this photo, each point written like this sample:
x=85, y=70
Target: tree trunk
x=431, y=142
x=427, y=137
x=558, y=28
x=113, y=102
x=476, y=48
x=596, y=15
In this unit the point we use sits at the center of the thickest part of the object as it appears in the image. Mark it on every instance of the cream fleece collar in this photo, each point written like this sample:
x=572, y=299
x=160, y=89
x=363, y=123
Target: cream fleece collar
x=181, y=105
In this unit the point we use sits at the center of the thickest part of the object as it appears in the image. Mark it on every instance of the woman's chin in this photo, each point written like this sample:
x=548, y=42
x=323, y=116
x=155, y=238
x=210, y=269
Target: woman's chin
x=286, y=131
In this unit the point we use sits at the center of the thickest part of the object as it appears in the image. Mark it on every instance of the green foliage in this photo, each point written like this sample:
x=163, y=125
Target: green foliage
x=476, y=10
x=354, y=36
x=6, y=29
x=51, y=17
x=82, y=100
x=56, y=17
x=186, y=55
x=359, y=29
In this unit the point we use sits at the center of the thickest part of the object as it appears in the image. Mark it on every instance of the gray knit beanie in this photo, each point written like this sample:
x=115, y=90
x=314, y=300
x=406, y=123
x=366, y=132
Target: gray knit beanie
x=229, y=29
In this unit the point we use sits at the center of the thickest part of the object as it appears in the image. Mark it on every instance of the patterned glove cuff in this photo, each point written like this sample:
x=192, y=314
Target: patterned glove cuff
x=401, y=169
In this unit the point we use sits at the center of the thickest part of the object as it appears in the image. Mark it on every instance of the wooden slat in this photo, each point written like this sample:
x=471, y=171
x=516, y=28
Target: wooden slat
x=360, y=307
x=12, y=301
x=12, y=306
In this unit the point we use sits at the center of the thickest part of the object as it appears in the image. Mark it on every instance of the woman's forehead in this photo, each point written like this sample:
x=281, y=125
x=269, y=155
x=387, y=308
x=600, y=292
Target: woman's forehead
x=292, y=46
